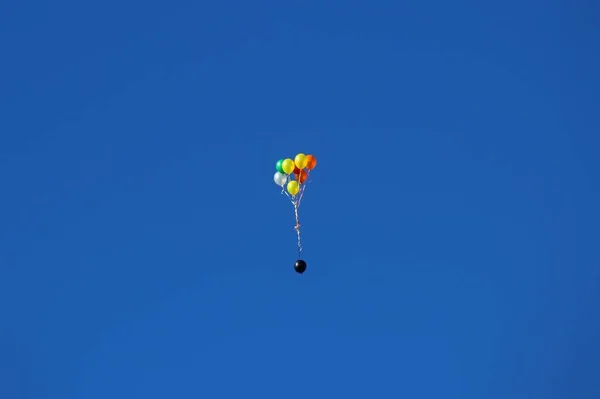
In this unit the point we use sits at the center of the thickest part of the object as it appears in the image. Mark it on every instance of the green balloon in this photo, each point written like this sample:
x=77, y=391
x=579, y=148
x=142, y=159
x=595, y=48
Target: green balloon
x=279, y=166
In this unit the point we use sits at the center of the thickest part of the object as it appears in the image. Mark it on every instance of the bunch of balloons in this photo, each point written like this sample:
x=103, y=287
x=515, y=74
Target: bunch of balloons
x=299, y=167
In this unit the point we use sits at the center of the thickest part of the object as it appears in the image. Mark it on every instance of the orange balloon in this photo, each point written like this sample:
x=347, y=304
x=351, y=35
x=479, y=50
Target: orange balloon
x=301, y=176
x=311, y=162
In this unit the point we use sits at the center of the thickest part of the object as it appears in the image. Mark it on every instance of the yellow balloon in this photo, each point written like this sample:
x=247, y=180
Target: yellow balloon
x=300, y=161
x=293, y=187
x=288, y=166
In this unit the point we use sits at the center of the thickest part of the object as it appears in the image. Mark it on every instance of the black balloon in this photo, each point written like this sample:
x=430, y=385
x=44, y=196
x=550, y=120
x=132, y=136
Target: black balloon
x=300, y=266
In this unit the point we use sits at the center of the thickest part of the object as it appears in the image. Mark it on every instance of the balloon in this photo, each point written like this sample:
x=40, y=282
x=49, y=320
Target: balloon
x=300, y=161
x=300, y=266
x=296, y=170
x=311, y=162
x=278, y=166
x=280, y=179
x=287, y=166
x=301, y=176
x=293, y=187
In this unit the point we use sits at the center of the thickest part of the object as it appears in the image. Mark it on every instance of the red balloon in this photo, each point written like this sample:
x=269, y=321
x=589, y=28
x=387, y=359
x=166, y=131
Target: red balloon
x=311, y=162
x=301, y=176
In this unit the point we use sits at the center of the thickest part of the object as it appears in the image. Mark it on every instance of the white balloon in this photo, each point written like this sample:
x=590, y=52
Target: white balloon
x=280, y=179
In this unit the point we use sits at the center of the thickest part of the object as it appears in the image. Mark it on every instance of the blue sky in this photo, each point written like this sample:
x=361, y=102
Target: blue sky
x=450, y=228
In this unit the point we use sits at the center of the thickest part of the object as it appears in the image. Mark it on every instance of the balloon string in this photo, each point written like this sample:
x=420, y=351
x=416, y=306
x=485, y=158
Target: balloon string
x=295, y=200
x=295, y=203
x=297, y=227
x=301, y=194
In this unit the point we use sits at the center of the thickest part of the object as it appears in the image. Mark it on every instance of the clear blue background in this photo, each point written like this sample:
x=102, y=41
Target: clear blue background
x=450, y=228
